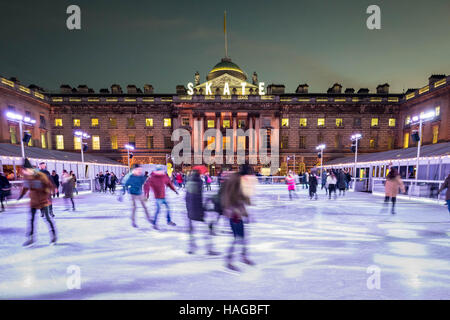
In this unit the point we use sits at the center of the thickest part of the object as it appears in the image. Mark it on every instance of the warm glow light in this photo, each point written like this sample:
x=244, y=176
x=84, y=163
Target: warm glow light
x=356, y=136
x=320, y=147
x=129, y=147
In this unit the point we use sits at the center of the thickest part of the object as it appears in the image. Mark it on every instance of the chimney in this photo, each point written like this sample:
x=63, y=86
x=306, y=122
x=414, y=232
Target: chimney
x=410, y=90
x=82, y=88
x=363, y=91
x=275, y=89
x=148, y=89
x=336, y=88
x=349, y=91
x=116, y=89
x=14, y=79
x=383, y=88
x=65, y=88
x=302, y=88
x=181, y=90
x=104, y=90
x=131, y=89
x=435, y=77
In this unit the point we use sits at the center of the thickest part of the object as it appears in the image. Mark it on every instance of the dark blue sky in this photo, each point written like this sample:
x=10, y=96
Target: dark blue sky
x=164, y=42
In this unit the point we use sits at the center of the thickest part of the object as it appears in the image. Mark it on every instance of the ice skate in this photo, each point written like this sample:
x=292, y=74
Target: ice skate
x=173, y=224
x=29, y=242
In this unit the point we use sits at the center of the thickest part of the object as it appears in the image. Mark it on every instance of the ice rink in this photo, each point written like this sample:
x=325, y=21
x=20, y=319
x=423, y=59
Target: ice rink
x=303, y=249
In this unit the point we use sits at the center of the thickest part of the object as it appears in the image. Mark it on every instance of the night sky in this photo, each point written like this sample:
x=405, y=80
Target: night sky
x=164, y=43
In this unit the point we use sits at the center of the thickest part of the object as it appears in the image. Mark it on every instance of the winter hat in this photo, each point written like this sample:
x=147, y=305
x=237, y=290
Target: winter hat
x=27, y=164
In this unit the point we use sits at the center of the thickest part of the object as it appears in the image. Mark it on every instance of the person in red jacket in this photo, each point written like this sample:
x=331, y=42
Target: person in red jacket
x=157, y=182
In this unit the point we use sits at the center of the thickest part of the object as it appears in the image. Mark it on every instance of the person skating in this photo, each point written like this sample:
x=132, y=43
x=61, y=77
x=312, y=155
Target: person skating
x=393, y=184
x=313, y=186
x=157, y=182
x=101, y=181
x=445, y=185
x=40, y=188
x=5, y=190
x=133, y=184
x=236, y=195
x=67, y=189
x=43, y=169
x=107, y=181
x=196, y=211
x=290, y=181
x=341, y=182
x=55, y=178
x=112, y=183
x=208, y=181
x=305, y=180
x=331, y=184
x=324, y=182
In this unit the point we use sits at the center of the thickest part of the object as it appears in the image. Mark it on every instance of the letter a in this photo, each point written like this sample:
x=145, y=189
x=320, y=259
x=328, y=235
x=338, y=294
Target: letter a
x=374, y=21
x=226, y=89
x=73, y=22
x=74, y=278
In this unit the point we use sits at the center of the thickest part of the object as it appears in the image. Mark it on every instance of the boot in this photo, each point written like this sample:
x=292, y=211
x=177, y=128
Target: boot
x=232, y=267
x=213, y=253
x=245, y=260
x=173, y=224
x=29, y=242
x=53, y=240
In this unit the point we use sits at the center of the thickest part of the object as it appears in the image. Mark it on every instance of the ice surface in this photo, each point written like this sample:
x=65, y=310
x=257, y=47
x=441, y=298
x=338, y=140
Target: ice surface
x=303, y=249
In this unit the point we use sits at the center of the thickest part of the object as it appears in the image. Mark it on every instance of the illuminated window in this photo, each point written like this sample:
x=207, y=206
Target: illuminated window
x=372, y=143
x=185, y=122
x=241, y=142
x=114, y=144
x=211, y=143
x=374, y=122
x=241, y=124
x=12, y=134
x=435, y=134
x=408, y=120
x=406, y=140
x=95, y=143
x=321, y=122
x=149, y=142
x=226, y=143
x=391, y=122
x=226, y=123
x=43, y=141
x=303, y=122
x=94, y=122
x=437, y=111
x=339, y=122
x=58, y=122
x=285, y=122
x=59, y=142
x=149, y=122
x=77, y=143
x=211, y=123
x=30, y=142
x=112, y=122
x=131, y=123
x=76, y=122
x=167, y=122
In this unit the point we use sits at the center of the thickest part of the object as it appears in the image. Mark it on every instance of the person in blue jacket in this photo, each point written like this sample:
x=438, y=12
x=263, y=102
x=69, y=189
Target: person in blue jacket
x=133, y=185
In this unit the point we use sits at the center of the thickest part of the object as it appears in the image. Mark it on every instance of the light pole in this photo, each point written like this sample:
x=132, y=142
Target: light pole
x=321, y=147
x=82, y=135
x=128, y=147
x=356, y=138
x=420, y=119
x=20, y=119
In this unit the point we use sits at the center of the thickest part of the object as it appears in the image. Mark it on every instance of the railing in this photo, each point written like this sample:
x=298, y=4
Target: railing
x=425, y=190
x=360, y=184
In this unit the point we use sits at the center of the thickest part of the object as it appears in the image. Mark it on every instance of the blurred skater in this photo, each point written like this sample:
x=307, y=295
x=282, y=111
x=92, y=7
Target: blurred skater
x=290, y=181
x=313, y=186
x=393, y=184
x=341, y=182
x=331, y=184
x=133, y=183
x=67, y=189
x=43, y=169
x=445, y=185
x=5, y=190
x=55, y=178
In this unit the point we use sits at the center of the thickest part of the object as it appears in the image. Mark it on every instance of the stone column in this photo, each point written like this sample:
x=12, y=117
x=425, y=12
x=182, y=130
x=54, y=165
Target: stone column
x=219, y=153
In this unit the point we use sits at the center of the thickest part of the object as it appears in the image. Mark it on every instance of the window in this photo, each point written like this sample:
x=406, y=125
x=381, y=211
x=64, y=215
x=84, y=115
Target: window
x=114, y=144
x=167, y=122
x=285, y=122
x=374, y=122
x=132, y=140
x=266, y=122
x=303, y=122
x=357, y=122
x=58, y=122
x=241, y=123
x=391, y=122
x=43, y=141
x=30, y=142
x=185, y=122
x=210, y=123
x=43, y=122
x=94, y=122
x=76, y=122
x=130, y=122
x=302, y=142
x=226, y=143
x=60, y=142
x=390, y=142
x=372, y=143
x=167, y=142
x=113, y=122
x=95, y=143
x=437, y=111
x=226, y=124
x=241, y=141
x=284, y=142
x=12, y=134
x=435, y=134
x=319, y=138
x=149, y=122
x=77, y=143
x=320, y=122
x=150, y=142
x=211, y=143
x=339, y=122
x=406, y=140
x=407, y=120
x=337, y=141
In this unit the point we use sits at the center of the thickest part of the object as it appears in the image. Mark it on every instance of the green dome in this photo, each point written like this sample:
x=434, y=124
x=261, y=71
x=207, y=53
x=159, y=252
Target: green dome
x=226, y=66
